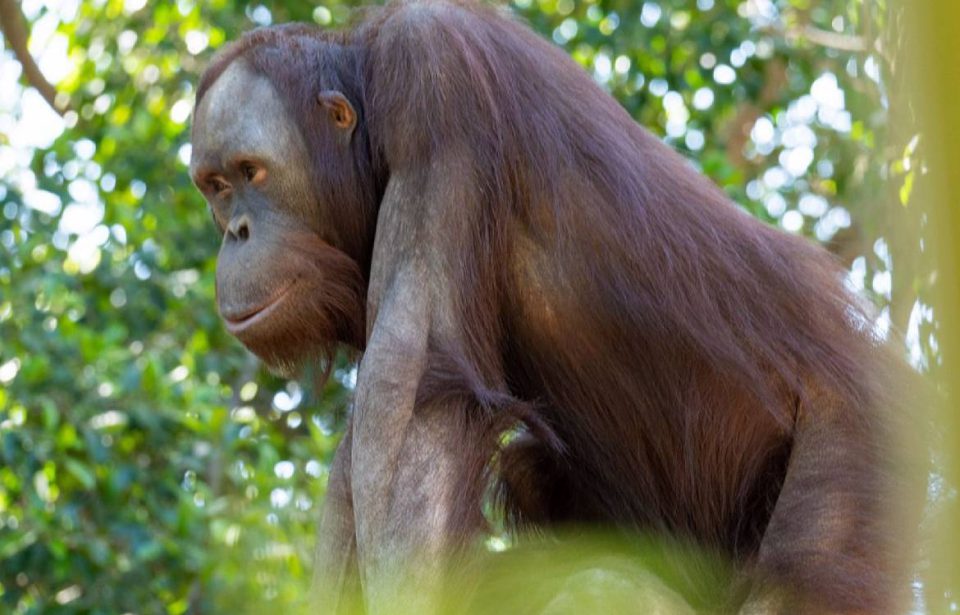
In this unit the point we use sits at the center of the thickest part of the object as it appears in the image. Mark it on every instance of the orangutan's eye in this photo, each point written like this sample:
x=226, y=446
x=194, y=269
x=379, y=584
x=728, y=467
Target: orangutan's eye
x=217, y=185
x=253, y=173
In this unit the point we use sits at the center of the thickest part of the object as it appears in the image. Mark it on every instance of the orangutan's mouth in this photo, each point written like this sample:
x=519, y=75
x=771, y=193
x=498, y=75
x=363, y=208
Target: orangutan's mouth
x=237, y=324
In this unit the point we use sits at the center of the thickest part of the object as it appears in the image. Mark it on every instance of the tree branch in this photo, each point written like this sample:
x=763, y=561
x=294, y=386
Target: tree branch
x=834, y=40
x=738, y=132
x=14, y=27
x=818, y=36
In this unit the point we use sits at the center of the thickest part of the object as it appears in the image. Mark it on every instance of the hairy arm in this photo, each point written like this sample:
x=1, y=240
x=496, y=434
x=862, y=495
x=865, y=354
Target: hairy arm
x=416, y=462
x=827, y=546
x=415, y=489
x=335, y=562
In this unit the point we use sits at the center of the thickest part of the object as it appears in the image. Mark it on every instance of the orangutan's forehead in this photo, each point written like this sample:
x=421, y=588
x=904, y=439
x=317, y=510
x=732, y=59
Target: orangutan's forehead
x=242, y=109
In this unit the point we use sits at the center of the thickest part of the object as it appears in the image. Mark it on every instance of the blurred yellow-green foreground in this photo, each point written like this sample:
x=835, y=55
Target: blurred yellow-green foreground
x=148, y=464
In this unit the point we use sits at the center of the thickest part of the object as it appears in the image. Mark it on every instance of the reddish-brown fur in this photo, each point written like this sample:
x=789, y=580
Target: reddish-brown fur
x=665, y=350
x=333, y=290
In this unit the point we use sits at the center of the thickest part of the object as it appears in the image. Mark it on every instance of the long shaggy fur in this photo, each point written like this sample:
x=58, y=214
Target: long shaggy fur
x=661, y=346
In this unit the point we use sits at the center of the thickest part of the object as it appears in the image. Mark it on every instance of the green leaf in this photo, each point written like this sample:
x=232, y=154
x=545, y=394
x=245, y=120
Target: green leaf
x=81, y=472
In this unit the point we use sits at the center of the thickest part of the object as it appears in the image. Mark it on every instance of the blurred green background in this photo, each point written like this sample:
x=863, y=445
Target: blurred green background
x=149, y=464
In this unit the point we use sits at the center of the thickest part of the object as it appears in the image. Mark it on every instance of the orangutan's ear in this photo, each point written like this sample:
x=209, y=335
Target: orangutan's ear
x=339, y=109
